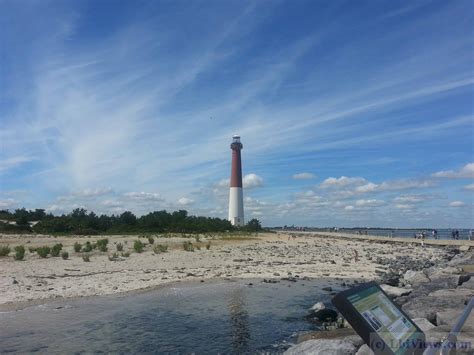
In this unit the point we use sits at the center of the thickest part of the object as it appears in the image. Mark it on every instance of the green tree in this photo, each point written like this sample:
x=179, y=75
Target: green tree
x=253, y=225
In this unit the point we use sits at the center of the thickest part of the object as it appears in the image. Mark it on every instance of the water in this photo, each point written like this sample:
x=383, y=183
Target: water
x=404, y=233
x=205, y=318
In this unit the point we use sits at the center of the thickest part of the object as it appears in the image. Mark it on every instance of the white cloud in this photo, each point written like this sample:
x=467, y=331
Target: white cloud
x=342, y=181
x=251, y=181
x=466, y=172
x=369, y=203
x=456, y=204
x=112, y=203
x=7, y=203
x=349, y=208
x=469, y=187
x=93, y=192
x=10, y=163
x=304, y=176
x=410, y=198
x=404, y=206
x=393, y=185
x=185, y=201
x=370, y=187
x=143, y=196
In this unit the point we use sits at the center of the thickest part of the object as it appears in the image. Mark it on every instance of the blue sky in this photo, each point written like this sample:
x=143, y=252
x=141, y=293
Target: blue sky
x=352, y=113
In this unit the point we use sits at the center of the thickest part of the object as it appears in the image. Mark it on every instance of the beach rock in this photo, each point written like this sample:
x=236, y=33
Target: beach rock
x=317, y=307
x=468, y=284
x=329, y=289
x=364, y=350
x=323, y=347
x=463, y=279
x=449, y=317
x=424, y=324
x=458, y=292
x=428, y=306
x=462, y=259
x=415, y=277
x=435, y=273
x=395, y=291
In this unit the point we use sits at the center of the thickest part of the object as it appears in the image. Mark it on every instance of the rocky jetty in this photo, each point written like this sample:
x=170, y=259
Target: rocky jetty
x=432, y=293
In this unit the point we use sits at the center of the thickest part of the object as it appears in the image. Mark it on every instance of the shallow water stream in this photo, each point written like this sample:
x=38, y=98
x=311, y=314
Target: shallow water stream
x=211, y=317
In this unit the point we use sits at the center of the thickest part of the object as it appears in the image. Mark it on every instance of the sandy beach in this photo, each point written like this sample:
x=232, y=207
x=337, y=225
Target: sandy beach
x=268, y=255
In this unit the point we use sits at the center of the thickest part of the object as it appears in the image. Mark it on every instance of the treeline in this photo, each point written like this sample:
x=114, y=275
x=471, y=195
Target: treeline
x=80, y=221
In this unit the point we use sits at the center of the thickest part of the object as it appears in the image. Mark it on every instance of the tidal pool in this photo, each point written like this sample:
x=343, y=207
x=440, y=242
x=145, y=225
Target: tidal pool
x=229, y=317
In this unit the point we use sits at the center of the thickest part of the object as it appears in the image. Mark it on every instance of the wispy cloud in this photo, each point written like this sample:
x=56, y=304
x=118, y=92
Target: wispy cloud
x=466, y=172
x=304, y=176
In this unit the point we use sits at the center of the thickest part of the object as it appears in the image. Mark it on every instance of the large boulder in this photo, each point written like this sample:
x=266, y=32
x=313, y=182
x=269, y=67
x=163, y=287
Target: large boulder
x=454, y=293
x=424, y=324
x=435, y=273
x=468, y=284
x=462, y=259
x=364, y=350
x=396, y=291
x=428, y=306
x=415, y=277
x=449, y=317
x=317, y=307
x=323, y=347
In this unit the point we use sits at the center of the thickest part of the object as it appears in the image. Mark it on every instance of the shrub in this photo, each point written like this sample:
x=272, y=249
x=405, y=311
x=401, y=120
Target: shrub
x=86, y=258
x=102, y=244
x=126, y=254
x=198, y=239
x=87, y=247
x=151, y=240
x=43, y=251
x=56, y=249
x=188, y=246
x=113, y=257
x=138, y=246
x=160, y=248
x=19, y=252
x=198, y=247
x=77, y=247
x=119, y=246
x=32, y=250
x=208, y=246
x=64, y=255
x=4, y=250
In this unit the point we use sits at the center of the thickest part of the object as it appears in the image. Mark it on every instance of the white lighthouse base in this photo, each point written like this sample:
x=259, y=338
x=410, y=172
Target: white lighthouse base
x=236, y=206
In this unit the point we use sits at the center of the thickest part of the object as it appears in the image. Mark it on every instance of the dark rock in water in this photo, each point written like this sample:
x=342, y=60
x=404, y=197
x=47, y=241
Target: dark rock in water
x=15, y=282
x=463, y=279
x=329, y=289
x=392, y=280
x=324, y=315
x=270, y=281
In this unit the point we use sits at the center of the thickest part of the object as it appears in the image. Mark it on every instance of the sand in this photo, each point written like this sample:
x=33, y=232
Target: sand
x=269, y=255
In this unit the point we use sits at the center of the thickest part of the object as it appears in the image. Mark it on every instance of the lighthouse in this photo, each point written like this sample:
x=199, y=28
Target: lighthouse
x=236, y=197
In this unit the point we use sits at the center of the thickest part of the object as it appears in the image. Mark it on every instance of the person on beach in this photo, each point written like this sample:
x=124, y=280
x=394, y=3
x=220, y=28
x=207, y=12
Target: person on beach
x=435, y=234
x=471, y=232
x=453, y=235
x=457, y=234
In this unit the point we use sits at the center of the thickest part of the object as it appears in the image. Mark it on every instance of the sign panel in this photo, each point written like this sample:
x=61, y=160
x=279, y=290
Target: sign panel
x=378, y=321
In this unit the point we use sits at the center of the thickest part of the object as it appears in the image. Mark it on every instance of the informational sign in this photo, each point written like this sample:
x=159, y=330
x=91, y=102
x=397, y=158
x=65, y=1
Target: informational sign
x=378, y=321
